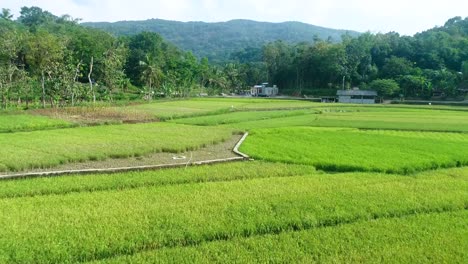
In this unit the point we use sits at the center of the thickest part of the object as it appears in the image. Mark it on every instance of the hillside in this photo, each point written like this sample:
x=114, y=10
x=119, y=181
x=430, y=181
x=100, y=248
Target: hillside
x=218, y=40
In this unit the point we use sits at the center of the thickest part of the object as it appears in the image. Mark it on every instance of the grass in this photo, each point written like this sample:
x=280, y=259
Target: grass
x=166, y=110
x=34, y=187
x=42, y=149
x=98, y=115
x=183, y=108
x=86, y=226
x=422, y=238
x=368, y=118
x=206, y=106
x=397, y=202
x=23, y=122
x=346, y=149
x=237, y=117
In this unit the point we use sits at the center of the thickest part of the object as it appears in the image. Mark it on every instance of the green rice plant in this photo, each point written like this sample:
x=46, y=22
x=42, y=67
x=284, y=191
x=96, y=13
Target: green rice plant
x=88, y=226
x=347, y=149
x=237, y=117
x=206, y=106
x=42, y=149
x=182, y=108
x=422, y=238
x=272, y=104
x=369, y=118
x=24, y=122
x=32, y=187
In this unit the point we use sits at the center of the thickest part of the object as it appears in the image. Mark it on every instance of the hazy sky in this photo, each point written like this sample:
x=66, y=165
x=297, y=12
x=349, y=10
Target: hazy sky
x=404, y=16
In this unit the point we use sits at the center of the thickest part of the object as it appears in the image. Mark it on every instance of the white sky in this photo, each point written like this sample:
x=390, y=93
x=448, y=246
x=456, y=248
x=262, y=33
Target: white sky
x=404, y=16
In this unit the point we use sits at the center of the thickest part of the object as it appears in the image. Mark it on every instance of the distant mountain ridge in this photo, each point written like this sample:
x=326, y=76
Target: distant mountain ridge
x=218, y=40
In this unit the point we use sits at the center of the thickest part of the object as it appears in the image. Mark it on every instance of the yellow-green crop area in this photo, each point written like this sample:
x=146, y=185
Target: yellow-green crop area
x=44, y=149
x=23, y=122
x=348, y=149
x=330, y=184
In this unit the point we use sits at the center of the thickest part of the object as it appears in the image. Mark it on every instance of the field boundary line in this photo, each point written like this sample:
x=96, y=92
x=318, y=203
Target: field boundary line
x=236, y=148
x=242, y=157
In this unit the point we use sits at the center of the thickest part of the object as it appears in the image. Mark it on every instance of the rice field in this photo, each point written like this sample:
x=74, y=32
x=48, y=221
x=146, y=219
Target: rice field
x=330, y=183
x=348, y=149
x=99, y=225
x=393, y=118
x=234, y=118
x=45, y=149
x=207, y=106
x=23, y=122
x=444, y=236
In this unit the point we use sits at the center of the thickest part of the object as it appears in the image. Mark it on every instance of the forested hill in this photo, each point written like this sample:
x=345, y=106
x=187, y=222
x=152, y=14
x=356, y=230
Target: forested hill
x=218, y=40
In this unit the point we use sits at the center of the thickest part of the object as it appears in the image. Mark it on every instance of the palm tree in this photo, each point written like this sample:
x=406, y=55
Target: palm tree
x=152, y=75
x=218, y=80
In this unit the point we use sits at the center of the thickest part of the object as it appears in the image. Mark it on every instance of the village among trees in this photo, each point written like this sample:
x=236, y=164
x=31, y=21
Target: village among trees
x=49, y=60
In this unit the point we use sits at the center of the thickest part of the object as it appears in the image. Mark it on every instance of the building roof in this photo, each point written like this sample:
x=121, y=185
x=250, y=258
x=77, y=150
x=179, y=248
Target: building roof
x=356, y=92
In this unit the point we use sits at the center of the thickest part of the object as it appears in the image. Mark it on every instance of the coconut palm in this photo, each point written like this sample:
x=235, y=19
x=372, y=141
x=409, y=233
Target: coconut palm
x=152, y=75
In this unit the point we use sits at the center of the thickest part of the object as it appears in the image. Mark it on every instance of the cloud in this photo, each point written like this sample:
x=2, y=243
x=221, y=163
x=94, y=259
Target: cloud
x=407, y=17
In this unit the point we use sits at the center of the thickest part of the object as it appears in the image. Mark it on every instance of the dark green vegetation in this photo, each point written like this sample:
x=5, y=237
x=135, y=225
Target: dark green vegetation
x=50, y=60
x=431, y=63
x=217, y=41
x=370, y=187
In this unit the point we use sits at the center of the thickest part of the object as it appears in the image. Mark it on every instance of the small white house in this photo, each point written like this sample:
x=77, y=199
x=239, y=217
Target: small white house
x=356, y=96
x=264, y=91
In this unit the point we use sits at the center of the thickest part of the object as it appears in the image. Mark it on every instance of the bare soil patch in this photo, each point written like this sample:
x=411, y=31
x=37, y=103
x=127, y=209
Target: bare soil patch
x=98, y=115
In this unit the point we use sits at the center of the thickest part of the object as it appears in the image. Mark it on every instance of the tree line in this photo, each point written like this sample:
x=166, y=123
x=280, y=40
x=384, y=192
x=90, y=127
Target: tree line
x=53, y=60
x=431, y=63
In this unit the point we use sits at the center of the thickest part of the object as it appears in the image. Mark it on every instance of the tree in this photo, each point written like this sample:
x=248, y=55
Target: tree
x=358, y=61
x=218, y=81
x=34, y=16
x=204, y=72
x=113, y=68
x=6, y=14
x=152, y=75
x=464, y=70
x=278, y=57
x=385, y=87
x=395, y=66
x=234, y=77
x=140, y=46
x=11, y=68
x=45, y=52
x=413, y=85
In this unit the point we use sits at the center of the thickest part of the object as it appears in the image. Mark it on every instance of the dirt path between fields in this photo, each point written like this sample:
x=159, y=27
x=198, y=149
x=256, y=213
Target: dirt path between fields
x=219, y=153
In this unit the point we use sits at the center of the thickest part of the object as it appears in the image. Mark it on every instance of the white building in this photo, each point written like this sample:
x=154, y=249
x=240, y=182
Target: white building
x=356, y=96
x=264, y=91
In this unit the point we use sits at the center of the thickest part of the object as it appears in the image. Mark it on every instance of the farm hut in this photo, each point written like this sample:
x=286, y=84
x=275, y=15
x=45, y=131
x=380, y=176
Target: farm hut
x=264, y=91
x=357, y=96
